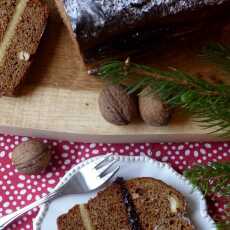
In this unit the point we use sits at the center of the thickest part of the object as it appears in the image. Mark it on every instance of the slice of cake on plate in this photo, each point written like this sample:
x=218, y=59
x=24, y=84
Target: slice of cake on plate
x=141, y=203
x=21, y=27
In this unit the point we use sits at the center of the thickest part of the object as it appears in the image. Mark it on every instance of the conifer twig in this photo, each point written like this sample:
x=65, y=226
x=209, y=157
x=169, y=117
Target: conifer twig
x=208, y=103
x=213, y=179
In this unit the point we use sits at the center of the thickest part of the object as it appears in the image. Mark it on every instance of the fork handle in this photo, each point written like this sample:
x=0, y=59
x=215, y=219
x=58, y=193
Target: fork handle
x=5, y=220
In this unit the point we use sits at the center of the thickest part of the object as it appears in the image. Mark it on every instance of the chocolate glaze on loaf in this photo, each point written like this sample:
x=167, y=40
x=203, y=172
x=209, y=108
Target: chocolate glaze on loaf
x=97, y=22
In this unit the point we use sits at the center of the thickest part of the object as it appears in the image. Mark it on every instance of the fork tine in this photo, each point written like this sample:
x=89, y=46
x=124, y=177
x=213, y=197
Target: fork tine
x=108, y=176
x=103, y=169
x=106, y=157
x=99, y=161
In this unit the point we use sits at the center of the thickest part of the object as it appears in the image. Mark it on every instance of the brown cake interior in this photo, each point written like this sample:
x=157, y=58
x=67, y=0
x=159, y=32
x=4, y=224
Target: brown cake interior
x=175, y=223
x=107, y=211
x=157, y=205
x=22, y=42
x=155, y=201
x=7, y=9
x=71, y=221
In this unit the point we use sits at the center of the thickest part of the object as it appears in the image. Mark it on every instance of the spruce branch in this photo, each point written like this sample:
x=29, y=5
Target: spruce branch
x=218, y=54
x=223, y=226
x=213, y=179
x=208, y=103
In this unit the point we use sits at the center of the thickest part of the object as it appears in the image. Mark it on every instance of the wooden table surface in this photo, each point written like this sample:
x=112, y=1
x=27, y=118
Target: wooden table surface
x=59, y=99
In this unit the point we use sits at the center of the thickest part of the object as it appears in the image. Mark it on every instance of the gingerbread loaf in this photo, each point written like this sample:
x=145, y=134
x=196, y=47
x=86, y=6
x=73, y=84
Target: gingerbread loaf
x=101, y=28
x=21, y=27
x=136, y=204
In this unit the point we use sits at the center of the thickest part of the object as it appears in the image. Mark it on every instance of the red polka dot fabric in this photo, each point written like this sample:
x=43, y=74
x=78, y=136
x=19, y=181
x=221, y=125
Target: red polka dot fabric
x=18, y=190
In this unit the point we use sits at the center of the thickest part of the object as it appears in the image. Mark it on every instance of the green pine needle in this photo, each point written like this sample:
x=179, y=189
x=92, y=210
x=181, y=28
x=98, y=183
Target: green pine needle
x=223, y=226
x=213, y=179
x=218, y=54
x=207, y=102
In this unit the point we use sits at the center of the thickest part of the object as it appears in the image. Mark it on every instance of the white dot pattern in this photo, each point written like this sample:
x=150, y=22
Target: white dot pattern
x=17, y=190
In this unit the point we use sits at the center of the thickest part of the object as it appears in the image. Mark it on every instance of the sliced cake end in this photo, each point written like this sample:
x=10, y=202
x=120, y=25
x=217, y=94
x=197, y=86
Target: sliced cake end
x=107, y=211
x=155, y=201
x=175, y=223
x=136, y=204
x=23, y=27
x=72, y=220
x=7, y=9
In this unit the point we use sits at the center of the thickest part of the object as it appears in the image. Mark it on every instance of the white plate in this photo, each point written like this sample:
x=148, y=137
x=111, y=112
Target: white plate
x=131, y=167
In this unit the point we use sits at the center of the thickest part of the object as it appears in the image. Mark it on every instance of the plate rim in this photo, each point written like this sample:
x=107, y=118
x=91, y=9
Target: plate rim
x=37, y=221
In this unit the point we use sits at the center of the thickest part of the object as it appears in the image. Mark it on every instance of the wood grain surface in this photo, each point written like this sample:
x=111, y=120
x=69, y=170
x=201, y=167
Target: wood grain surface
x=59, y=99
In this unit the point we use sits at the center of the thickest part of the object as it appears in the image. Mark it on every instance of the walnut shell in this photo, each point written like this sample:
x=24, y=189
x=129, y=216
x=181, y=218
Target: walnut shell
x=116, y=106
x=31, y=157
x=152, y=109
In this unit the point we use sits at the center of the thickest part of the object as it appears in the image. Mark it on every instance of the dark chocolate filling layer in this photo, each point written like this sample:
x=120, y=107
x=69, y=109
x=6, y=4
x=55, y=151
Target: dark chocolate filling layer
x=130, y=208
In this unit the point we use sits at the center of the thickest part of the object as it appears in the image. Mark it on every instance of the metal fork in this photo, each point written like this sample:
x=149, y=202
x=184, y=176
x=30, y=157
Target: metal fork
x=88, y=178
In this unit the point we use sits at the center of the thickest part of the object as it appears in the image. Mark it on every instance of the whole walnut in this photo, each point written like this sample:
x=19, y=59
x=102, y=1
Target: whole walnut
x=31, y=157
x=116, y=105
x=152, y=109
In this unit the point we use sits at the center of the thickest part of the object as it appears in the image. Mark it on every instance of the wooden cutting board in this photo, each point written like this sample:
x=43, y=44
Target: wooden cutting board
x=59, y=99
